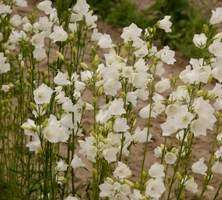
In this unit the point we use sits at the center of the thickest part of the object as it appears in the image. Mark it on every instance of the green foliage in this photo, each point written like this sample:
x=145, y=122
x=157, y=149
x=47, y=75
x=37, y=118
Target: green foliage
x=62, y=7
x=187, y=20
x=119, y=12
x=8, y=188
x=125, y=13
x=102, y=7
x=116, y=12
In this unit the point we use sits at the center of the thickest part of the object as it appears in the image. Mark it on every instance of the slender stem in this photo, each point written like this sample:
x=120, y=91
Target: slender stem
x=177, y=163
x=209, y=165
x=151, y=92
x=164, y=150
x=218, y=191
x=125, y=83
x=96, y=177
x=121, y=148
x=181, y=185
x=192, y=96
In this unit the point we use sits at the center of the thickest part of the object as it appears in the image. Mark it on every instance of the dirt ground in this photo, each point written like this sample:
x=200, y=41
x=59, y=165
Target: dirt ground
x=143, y=3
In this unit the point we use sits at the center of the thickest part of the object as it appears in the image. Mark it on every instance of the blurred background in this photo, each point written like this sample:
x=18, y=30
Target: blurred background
x=188, y=17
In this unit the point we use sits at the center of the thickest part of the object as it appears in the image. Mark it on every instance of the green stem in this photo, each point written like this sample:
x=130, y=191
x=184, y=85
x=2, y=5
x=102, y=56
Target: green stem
x=218, y=191
x=121, y=148
x=209, y=165
x=177, y=163
x=151, y=92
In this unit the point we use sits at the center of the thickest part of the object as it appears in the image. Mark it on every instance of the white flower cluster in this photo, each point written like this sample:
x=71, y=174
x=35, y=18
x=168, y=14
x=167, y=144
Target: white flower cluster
x=101, y=108
x=4, y=65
